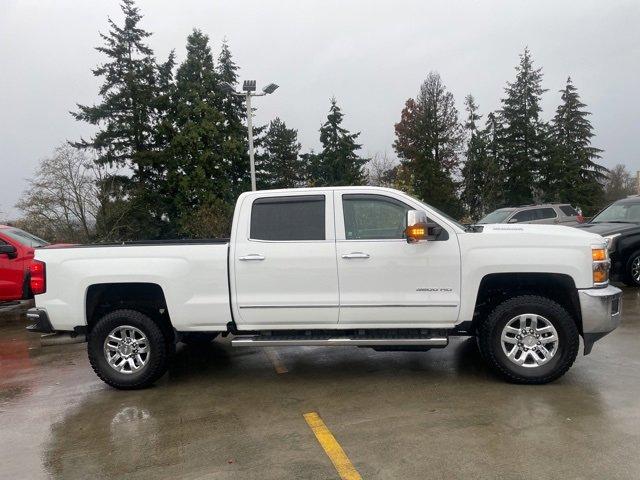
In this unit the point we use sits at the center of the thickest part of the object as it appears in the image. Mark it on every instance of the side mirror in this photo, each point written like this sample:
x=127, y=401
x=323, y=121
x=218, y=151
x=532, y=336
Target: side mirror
x=9, y=250
x=419, y=229
x=513, y=220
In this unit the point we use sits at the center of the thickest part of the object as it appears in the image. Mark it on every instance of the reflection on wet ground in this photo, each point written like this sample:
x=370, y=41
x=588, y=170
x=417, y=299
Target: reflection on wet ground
x=227, y=413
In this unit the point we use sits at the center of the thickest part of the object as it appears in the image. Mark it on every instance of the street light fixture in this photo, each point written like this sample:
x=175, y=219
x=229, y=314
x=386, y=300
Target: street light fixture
x=248, y=87
x=272, y=87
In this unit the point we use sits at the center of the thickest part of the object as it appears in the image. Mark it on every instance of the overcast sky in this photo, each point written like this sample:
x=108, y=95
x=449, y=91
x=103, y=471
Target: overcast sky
x=371, y=55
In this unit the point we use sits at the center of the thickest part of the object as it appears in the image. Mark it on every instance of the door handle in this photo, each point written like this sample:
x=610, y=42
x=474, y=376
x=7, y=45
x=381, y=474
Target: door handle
x=355, y=255
x=251, y=256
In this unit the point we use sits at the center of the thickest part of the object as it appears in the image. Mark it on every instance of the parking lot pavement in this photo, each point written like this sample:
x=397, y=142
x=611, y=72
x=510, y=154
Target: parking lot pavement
x=240, y=413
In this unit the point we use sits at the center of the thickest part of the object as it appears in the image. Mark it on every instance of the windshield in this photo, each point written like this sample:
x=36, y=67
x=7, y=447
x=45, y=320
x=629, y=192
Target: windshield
x=24, y=238
x=497, y=216
x=619, y=212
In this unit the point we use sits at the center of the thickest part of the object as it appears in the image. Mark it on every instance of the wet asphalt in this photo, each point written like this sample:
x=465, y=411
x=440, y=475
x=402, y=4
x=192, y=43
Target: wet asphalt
x=224, y=413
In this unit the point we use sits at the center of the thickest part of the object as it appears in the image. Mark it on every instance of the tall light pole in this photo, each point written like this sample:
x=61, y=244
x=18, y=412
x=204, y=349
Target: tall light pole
x=248, y=87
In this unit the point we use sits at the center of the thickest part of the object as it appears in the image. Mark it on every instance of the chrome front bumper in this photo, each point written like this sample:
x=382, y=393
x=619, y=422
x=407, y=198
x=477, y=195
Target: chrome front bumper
x=601, y=311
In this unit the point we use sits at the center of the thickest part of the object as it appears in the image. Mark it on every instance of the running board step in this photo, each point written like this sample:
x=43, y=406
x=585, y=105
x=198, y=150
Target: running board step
x=264, y=341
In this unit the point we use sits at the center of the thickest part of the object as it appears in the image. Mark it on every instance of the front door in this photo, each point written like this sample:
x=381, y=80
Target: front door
x=11, y=276
x=284, y=262
x=386, y=282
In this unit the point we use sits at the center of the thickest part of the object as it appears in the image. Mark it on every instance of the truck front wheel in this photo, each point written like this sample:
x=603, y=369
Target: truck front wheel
x=127, y=350
x=529, y=339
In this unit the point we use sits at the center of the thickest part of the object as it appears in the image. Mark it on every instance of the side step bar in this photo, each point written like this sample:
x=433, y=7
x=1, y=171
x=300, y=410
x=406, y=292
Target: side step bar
x=261, y=341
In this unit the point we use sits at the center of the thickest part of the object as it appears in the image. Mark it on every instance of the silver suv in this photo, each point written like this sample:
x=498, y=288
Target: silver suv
x=558, y=213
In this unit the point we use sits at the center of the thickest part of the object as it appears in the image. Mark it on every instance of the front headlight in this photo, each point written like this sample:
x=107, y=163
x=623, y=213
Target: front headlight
x=611, y=242
x=601, y=265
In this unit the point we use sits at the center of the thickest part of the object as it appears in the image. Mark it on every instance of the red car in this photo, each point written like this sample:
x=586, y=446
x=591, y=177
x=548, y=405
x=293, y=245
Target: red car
x=16, y=253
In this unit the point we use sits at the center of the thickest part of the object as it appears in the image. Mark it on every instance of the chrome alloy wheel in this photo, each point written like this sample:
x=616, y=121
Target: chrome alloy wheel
x=126, y=349
x=635, y=270
x=529, y=340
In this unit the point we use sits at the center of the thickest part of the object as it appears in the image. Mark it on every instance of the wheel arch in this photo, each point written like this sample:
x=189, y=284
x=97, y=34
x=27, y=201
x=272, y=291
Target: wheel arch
x=147, y=298
x=496, y=287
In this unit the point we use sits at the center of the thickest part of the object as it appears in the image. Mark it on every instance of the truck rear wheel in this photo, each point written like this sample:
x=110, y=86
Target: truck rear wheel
x=529, y=339
x=127, y=350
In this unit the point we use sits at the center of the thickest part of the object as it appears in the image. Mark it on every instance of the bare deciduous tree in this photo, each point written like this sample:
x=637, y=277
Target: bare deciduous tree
x=619, y=183
x=381, y=170
x=62, y=199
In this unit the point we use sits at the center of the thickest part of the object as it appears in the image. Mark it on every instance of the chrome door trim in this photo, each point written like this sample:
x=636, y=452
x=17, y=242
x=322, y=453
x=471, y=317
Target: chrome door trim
x=288, y=306
x=356, y=255
x=251, y=257
x=399, y=305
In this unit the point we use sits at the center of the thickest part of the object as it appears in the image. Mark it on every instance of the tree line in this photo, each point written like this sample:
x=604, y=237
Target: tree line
x=169, y=154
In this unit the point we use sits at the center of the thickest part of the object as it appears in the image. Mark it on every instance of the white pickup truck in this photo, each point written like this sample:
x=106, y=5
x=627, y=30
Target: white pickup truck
x=341, y=266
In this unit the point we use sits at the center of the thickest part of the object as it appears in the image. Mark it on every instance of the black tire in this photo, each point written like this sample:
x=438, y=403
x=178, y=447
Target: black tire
x=628, y=275
x=489, y=340
x=157, y=362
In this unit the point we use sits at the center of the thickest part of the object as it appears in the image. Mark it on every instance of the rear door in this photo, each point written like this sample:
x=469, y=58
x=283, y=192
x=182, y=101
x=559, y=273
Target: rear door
x=384, y=281
x=284, y=261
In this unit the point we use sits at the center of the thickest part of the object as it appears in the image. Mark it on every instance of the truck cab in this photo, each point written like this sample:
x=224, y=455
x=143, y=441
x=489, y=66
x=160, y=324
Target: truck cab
x=340, y=258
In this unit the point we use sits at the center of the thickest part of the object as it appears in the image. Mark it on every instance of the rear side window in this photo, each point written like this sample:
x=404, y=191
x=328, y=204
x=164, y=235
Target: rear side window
x=288, y=218
x=568, y=210
x=546, y=213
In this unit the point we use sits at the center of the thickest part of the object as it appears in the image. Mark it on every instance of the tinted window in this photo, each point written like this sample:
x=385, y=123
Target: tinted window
x=568, y=210
x=497, y=216
x=543, y=213
x=24, y=238
x=372, y=217
x=288, y=218
x=525, y=216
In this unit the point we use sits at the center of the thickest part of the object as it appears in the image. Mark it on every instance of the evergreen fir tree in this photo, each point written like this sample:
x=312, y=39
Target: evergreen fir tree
x=127, y=116
x=337, y=163
x=492, y=134
x=573, y=174
x=160, y=160
x=476, y=176
x=234, y=133
x=200, y=176
x=523, y=136
x=280, y=165
x=429, y=138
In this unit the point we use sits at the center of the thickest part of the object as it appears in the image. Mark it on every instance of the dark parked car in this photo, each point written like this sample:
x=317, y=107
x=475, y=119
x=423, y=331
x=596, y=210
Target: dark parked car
x=620, y=224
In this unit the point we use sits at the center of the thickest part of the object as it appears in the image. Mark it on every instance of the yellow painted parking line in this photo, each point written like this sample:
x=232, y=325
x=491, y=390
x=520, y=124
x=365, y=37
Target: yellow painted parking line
x=332, y=448
x=275, y=360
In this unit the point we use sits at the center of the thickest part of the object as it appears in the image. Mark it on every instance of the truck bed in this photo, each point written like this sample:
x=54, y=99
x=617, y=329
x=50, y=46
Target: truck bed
x=192, y=274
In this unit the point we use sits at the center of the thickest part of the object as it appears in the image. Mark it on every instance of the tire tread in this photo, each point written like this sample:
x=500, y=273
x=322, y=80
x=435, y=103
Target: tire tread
x=159, y=359
x=485, y=339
